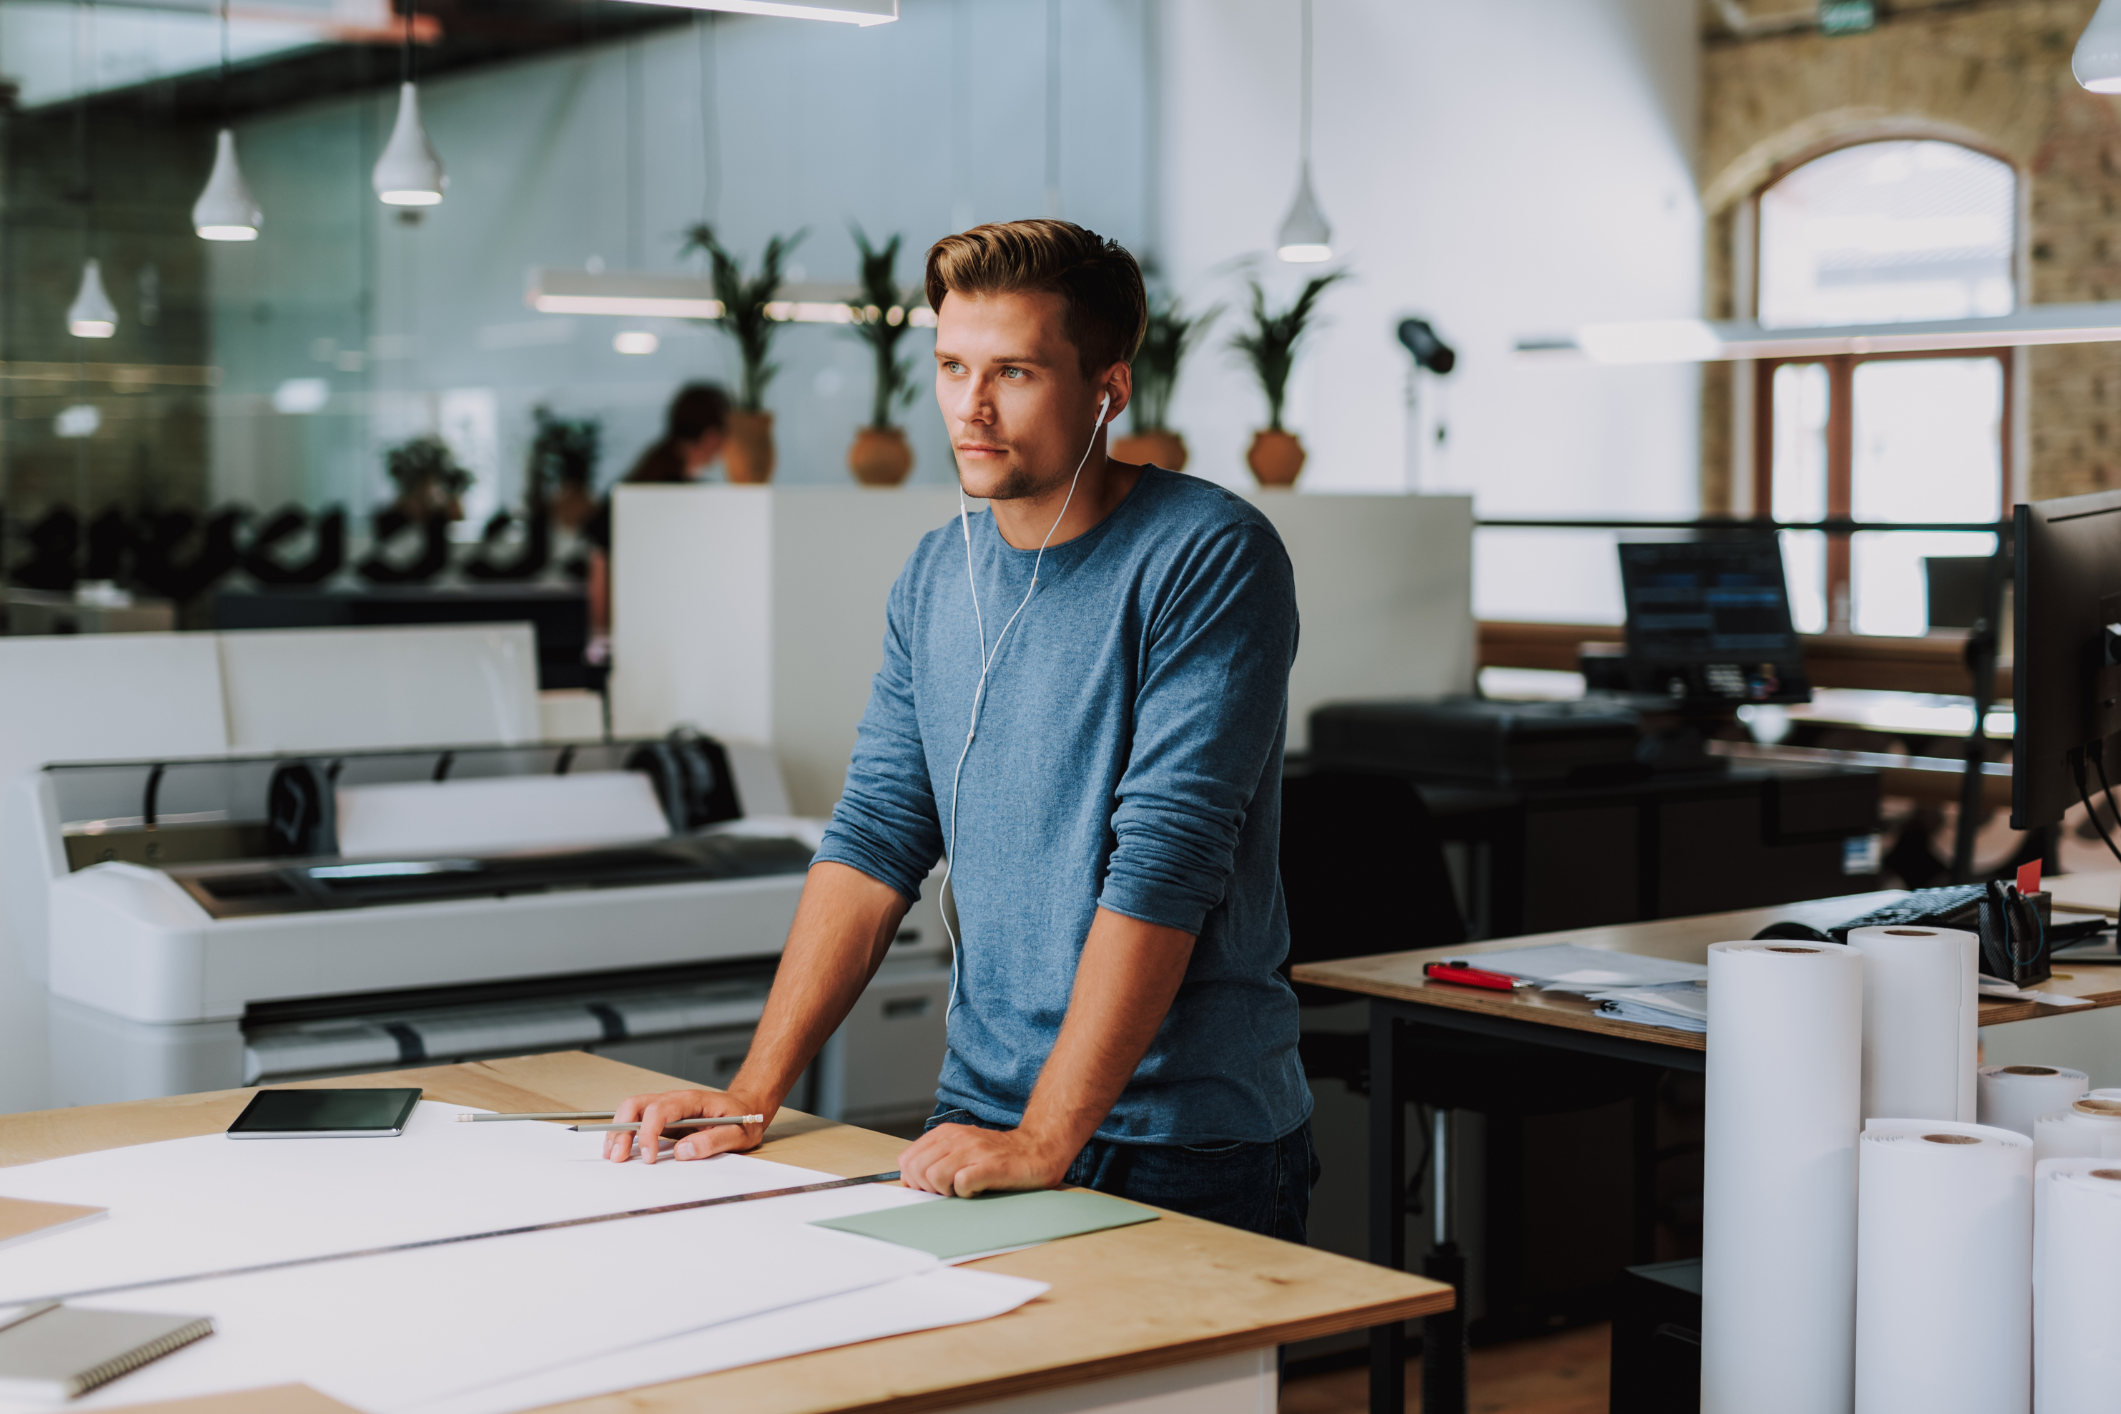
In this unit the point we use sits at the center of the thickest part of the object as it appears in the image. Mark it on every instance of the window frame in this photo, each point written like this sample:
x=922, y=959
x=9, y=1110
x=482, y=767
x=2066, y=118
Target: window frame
x=1841, y=374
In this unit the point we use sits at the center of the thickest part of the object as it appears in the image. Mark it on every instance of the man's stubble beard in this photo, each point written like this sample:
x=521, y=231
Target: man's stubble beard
x=1018, y=484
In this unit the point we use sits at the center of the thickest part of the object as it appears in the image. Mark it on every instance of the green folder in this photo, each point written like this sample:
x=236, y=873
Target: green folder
x=959, y=1227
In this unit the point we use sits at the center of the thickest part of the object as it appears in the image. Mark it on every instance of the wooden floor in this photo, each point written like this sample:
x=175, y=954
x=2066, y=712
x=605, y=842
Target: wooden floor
x=1555, y=1374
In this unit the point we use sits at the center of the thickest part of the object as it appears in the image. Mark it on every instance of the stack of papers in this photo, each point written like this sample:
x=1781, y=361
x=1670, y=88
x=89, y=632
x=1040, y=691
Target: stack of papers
x=1652, y=991
x=484, y=1327
x=1565, y=967
x=1682, y=1006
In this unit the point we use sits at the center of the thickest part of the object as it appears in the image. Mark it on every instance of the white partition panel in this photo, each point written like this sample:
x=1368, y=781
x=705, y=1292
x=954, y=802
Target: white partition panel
x=1384, y=585
x=757, y=613
x=349, y=689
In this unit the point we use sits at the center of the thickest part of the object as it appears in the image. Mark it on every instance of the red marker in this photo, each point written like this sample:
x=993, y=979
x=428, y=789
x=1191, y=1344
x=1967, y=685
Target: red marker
x=1458, y=974
x=2029, y=878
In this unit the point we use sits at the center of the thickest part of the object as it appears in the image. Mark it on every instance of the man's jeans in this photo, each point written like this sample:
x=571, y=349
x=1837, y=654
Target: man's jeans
x=1263, y=1188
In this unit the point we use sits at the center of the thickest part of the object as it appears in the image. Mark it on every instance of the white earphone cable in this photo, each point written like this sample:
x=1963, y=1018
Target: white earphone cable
x=987, y=660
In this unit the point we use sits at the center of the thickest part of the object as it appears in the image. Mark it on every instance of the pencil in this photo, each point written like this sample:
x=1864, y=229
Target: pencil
x=671, y=1124
x=607, y=1114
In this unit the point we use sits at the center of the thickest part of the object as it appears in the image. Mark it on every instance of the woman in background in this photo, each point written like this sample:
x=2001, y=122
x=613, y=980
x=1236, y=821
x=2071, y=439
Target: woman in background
x=693, y=433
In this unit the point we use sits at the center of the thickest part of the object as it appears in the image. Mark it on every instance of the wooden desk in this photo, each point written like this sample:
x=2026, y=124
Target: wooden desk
x=1400, y=997
x=1123, y=1303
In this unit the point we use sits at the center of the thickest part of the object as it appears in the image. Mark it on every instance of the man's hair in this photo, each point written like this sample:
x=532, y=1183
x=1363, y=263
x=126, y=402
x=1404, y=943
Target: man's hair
x=1100, y=286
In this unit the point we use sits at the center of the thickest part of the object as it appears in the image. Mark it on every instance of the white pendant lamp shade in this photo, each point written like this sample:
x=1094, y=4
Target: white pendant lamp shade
x=2097, y=62
x=226, y=211
x=92, y=315
x=409, y=173
x=1305, y=237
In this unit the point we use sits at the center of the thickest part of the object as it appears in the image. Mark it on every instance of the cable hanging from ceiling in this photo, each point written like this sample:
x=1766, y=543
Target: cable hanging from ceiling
x=1305, y=237
x=409, y=173
x=225, y=210
x=91, y=315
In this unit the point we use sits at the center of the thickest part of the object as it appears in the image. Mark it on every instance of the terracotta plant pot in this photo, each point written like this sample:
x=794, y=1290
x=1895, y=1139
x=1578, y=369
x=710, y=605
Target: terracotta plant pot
x=748, y=454
x=1159, y=448
x=880, y=456
x=1276, y=458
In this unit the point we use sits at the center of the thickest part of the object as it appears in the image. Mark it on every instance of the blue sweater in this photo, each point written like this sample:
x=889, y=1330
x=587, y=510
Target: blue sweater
x=1129, y=757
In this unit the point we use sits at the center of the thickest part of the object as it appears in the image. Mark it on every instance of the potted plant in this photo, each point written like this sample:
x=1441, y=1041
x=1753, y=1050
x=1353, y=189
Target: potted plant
x=1164, y=346
x=880, y=455
x=1276, y=456
x=749, y=454
x=430, y=484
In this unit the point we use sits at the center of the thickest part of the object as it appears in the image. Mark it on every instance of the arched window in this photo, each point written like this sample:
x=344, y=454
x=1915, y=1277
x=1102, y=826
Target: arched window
x=1883, y=232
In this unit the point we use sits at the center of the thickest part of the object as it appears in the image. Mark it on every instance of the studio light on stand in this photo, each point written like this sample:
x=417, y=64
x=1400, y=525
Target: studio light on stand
x=225, y=210
x=2097, y=60
x=1431, y=355
x=1305, y=238
x=92, y=315
x=409, y=173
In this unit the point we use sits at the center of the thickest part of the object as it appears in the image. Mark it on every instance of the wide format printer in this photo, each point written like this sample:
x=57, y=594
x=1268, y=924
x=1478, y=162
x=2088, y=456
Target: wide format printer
x=207, y=923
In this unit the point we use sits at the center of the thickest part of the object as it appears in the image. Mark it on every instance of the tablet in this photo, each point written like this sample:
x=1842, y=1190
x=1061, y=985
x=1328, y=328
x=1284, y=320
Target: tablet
x=324, y=1114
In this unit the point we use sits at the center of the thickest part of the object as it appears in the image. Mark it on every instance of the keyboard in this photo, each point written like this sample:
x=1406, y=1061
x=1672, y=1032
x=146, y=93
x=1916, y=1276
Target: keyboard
x=1959, y=906
x=1952, y=906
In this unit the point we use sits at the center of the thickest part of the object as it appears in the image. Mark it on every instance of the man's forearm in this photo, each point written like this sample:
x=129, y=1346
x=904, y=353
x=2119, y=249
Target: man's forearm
x=843, y=926
x=1125, y=982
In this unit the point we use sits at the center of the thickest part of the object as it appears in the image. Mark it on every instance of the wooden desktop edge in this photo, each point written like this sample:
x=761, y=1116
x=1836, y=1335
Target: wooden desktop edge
x=1398, y=976
x=785, y=1386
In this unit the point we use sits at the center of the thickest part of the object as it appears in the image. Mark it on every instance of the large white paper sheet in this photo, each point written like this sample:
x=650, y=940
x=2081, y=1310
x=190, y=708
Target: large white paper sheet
x=944, y=1297
x=384, y=1333
x=189, y=1206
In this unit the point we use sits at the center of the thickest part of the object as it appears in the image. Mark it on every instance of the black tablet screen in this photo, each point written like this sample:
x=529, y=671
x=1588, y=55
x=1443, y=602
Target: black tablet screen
x=325, y=1112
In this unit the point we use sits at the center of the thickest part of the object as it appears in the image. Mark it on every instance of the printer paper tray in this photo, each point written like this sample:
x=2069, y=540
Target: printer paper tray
x=252, y=889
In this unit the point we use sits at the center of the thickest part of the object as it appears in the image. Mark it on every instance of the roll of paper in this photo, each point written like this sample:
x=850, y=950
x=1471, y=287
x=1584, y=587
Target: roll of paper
x=2077, y=1301
x=2013, y=1096
x=1778, y=1258
x=498, y=814
x=1919, y=1010
x=1944, y=1256
x=2089, y=1128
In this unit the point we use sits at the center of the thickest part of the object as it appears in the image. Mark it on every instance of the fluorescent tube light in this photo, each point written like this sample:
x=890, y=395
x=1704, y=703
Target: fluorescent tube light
x=850, y=12
x=1704, y=341
x=639, y=295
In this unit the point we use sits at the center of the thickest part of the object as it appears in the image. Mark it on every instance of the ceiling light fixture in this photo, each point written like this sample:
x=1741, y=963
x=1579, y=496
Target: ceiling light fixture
x=635, y=341
x=2097, y=60
x=849, y=12
x=1706, y=341
x=225, y=210
x=409, y=173
x=1305, y=237
x=92, y=315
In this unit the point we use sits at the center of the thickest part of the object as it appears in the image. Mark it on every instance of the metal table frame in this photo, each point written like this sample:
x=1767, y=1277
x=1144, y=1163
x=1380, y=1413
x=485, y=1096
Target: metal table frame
x=1443, y=1337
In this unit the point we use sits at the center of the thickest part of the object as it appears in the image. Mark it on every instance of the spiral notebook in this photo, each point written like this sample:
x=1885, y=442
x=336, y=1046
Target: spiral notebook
x=49, y=1351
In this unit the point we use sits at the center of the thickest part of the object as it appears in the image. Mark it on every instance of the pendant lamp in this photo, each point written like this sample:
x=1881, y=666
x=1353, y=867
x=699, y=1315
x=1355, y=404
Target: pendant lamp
x=226, y=211
x=1305, y=237
x=409, y=173
x=2097, y=62
x=92, y=315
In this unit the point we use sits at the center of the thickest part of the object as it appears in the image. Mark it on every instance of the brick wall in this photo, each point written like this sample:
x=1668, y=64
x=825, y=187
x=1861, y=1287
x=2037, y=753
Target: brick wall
x=1993, y=74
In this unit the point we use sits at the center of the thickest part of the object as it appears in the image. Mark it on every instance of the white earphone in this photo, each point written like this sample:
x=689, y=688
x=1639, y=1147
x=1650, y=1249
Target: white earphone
x=986, y=664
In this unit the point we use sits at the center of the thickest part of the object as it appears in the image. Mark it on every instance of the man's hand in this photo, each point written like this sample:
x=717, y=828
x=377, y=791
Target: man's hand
x=655, y=1111
x=960, y=1160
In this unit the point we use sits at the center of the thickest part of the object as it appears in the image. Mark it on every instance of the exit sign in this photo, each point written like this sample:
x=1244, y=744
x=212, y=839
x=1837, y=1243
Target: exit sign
x=1847, y=16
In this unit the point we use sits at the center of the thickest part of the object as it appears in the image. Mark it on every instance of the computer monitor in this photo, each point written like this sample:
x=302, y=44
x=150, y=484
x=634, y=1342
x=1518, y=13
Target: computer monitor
x=2064, y=678
x=1709, y=623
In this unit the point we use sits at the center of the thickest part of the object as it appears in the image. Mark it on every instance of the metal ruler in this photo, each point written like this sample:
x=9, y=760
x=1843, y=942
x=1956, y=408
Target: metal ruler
x=285, y=1263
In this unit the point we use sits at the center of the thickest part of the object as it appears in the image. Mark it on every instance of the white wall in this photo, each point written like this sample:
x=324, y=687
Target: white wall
x=1505, y=167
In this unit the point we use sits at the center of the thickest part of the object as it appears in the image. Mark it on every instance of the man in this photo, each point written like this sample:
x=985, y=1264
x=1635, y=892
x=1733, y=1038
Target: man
x=1099, y=752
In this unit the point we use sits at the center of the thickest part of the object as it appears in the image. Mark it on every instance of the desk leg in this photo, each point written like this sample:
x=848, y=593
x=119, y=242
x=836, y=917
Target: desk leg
x=1388, y=1204
x=1443, y=1335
